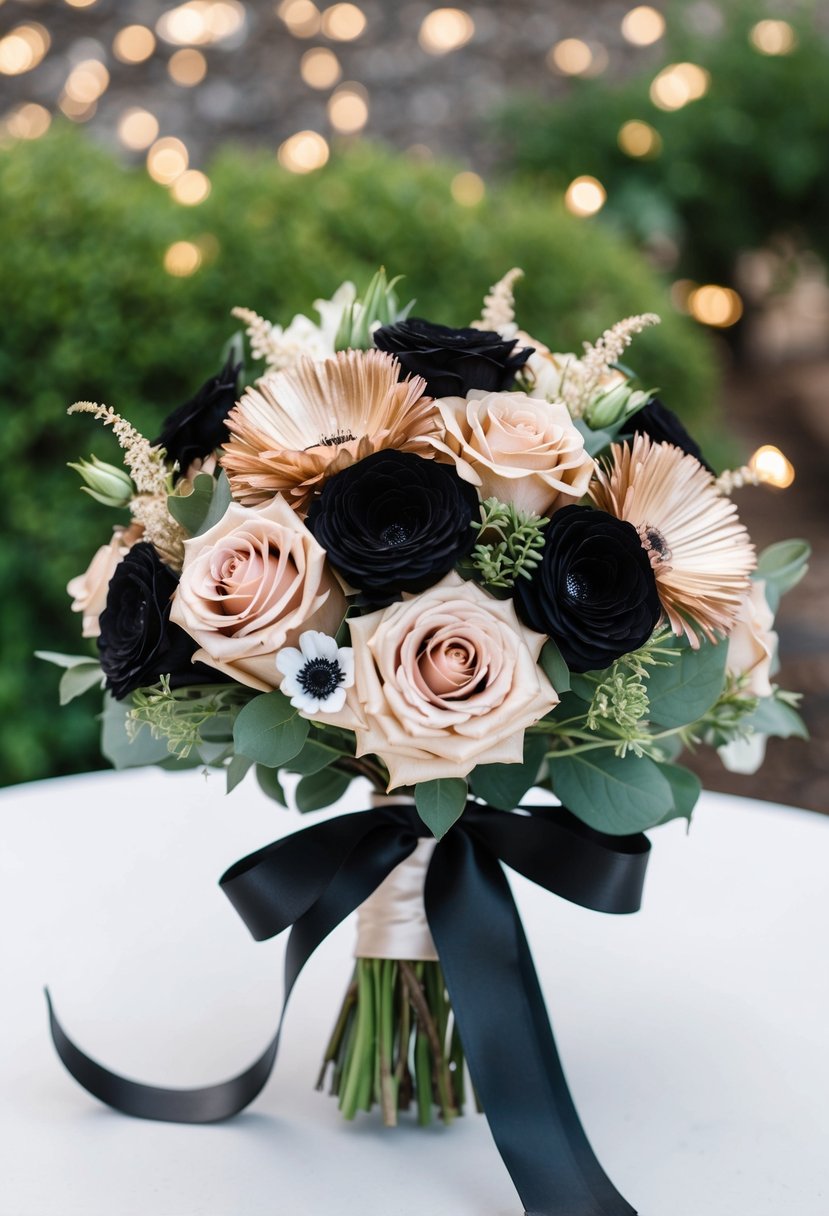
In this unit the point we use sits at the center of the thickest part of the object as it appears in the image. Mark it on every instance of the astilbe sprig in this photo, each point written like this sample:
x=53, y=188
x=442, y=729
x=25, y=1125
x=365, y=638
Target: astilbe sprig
x=514, y=548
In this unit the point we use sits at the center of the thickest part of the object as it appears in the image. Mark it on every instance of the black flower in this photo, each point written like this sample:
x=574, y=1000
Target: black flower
x=453, y=361
x=394, y=522
x=137, y=643
x=197, y=427
x=663, y=426
x=594, y=592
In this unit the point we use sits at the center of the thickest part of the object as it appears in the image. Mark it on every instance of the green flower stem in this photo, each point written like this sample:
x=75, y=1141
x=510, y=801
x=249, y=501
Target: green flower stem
x=332, y=1051
x=358, y=1069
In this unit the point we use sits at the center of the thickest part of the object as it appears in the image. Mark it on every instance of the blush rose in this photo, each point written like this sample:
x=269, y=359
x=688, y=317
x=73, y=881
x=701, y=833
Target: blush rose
x=752, y=643
x=89, y=590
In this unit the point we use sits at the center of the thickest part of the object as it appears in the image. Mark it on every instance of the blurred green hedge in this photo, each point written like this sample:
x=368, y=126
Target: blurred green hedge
x=89, y=313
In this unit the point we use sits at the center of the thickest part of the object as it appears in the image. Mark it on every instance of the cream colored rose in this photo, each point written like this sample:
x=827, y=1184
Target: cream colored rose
x=249, y=586
x=445, y=680
x=89, y=590
x=752, y=643
x=520, y=449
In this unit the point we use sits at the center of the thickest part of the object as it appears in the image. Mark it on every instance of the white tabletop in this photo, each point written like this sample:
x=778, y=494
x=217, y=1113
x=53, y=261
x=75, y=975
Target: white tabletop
x=694, y=1034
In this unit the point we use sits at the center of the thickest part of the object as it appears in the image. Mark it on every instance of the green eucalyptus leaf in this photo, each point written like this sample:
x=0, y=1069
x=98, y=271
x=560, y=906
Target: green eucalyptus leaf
x=440, y=803
x=64, y=660
x=686, y=788
x=775, y=717
x=190, y=510
x=615, y=794
x=321, y=789
x=120, y=749
x=269, y=730
x=270, y=784
x=78, y=679
x=237, y=770
x=684, y=690
x=504, y=785
x=313, y=758
x=554, y=667
x=782, y=566
x=219, y=503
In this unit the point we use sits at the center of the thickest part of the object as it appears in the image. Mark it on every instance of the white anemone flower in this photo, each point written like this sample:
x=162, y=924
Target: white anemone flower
x=316, y=676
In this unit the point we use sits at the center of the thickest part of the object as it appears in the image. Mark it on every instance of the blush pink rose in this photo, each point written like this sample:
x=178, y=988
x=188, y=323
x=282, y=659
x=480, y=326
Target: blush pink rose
x=89, y=590
x=249, y=586
x=752, y=643
x=445, y=680
x=519, y=449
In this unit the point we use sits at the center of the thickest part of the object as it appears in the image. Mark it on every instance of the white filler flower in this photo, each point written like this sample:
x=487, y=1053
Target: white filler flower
x=317, y=675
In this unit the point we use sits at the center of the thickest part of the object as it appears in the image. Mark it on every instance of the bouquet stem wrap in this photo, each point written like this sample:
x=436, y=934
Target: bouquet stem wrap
x=313, y=879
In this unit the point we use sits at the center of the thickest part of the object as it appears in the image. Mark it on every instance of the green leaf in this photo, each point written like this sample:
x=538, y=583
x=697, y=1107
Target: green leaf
x=504, y=785
x=270, y=784
x=237, y=770
x=686, y=788
x=313, y=758
x=79, y=679
x=269, y=730
x=583, y=686
x=554, y=667
x=685, y=690
x=782, y=566
x=219, y=503
x=319, y=790
x=439, y=803
x=190, y=510
x=64, y=660
x=119, y=749
x=616, y=794
x=774, y=717
x=595, y=442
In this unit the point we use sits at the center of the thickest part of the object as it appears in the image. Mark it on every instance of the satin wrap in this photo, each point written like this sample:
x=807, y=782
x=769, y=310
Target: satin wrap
x=314, y=878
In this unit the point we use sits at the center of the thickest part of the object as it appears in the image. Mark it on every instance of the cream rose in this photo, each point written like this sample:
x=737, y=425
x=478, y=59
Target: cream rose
x=89, y=590
x=249, y=586
x=445, y=680
x=520, y=449
x=752, y=643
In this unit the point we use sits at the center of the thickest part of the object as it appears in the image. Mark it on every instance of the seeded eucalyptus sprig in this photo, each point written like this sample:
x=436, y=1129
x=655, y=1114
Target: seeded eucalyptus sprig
x=511, y=544
x=186, y=717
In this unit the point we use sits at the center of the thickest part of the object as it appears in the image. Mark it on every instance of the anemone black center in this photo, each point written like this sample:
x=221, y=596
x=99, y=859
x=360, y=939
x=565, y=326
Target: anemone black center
x=320, y=677
x=394, y=534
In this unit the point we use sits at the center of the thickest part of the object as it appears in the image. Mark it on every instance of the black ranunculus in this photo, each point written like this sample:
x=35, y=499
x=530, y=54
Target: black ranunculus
x=594, y=592
x=394, y=522
x=197, y=427
x=663, y=426
x=137, y=642
x=453, y=361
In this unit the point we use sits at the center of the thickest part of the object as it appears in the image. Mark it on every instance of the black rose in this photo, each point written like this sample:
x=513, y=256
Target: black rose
x=137, y=642
x=197, y=427
x=452, y=361
x=594, y=592
x=394, y=522
x=663, y=426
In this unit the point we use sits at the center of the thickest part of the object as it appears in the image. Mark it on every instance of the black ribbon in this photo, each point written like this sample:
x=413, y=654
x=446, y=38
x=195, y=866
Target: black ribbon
x=313, y=879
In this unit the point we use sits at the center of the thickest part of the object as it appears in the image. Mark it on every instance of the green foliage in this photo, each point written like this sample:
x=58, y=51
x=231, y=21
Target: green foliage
x=439, y=803
x=615, y=794
x=782, y=566
x=269, y=730
x=89, y=313
x=683, y=691
x=510, y=547
x=504, y=785
x=737, y=169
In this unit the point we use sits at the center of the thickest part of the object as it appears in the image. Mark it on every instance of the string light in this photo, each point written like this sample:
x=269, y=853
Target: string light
x=320, y=68
x=771, y=467
x=348, y=108
x=302, y=17
x=77, y=111
x=717, y=306
x=166, y=160
x=643, y=25
x=182, y=258
x=444, y=30
x=585, y=196
x=191, y=188
x=303, y=152
x=677, y=84
x=137, y=128
x=343, y=22
x=773, y=37
x=28, y=121
x=187, y=67
x=133, y=44
x=86, y=82
x=638, y=138
x=200, y=22
x=467, y=189
x=23, y=48
x=681, y=292
x=80, y=3
x=571, y=57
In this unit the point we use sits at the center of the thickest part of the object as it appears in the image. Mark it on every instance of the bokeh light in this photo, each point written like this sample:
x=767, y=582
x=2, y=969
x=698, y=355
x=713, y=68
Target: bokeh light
x=86, y=82
x=637, y=138
x=182, y=258
x=585, y=196
x=773, y=37
x=571, y=57
x=133, y=44
x=167, y=159
x=320, y=68
x=681, y=292
x=445, y=29
x=28, y=121
x=643, y=25
x=303, y=152
x=201, y=22
x=77, y=111
x=771, y=467
x=677, y=84
x=302, y=17
x=714, y=305
x=348, y=108
x=23, y=48
x=191, y=188
x=467, y=188
x=137, y=128
x=343, y=22
x=187, y=67
x=80, y=3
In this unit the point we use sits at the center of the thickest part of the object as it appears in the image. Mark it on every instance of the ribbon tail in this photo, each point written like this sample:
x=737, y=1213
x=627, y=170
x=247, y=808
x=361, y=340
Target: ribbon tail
x=506, y=1036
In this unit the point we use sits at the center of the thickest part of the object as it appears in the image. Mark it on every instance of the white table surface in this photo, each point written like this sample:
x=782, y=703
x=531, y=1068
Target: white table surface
x=694, y=1034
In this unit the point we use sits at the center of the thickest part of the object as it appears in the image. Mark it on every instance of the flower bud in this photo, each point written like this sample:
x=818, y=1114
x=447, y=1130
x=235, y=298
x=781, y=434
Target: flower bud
x=613, y=406
x=105, y=483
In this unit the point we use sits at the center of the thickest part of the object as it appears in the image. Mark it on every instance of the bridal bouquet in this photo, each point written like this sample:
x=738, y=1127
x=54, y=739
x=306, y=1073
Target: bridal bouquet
x=460, y=565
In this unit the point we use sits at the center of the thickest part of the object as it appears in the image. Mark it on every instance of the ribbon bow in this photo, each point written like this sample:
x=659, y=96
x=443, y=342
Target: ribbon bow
x=314, y=878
